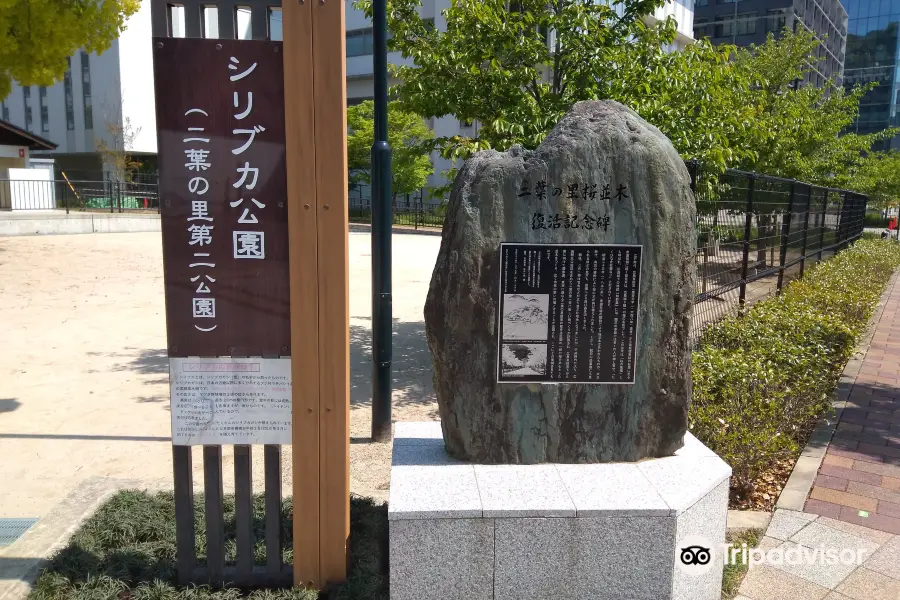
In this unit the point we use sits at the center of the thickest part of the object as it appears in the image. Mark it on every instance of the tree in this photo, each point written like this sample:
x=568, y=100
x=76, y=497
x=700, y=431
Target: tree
x=878, y=175
x=515, y=68
x=117, y=153
x=407, y=135
x=40, y=35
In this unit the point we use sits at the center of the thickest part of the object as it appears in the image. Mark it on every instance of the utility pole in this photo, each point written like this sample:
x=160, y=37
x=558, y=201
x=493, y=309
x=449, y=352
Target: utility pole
x=382, y=224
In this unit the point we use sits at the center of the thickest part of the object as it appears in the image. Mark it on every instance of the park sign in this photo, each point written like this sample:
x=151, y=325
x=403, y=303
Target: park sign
x=220, y=110
x=253, y=190
x=225, y=239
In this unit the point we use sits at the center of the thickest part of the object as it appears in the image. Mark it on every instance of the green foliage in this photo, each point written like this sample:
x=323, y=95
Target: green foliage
x=493, y=65
x=408, y=136
x=127, y=550
x=762, y=380
x=878, y=175
x=40, y=35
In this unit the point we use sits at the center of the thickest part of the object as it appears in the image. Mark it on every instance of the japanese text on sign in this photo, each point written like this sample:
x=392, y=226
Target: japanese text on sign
x=230, y=401
x=569, y=313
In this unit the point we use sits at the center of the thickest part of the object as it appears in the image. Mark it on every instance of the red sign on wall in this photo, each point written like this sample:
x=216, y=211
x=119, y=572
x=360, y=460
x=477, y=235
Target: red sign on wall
x=220, y=118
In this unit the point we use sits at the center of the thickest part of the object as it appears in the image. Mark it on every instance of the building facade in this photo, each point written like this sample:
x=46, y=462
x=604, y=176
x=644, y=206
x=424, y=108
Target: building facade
x=103, y=100
x=873, y=47
x=745, y=22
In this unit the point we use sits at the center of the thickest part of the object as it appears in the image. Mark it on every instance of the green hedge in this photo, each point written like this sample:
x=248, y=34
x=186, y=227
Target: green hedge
x=762, y=380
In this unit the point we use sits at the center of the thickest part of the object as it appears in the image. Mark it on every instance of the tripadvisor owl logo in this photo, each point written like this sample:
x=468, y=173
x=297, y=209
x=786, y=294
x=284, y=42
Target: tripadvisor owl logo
x=694, y=555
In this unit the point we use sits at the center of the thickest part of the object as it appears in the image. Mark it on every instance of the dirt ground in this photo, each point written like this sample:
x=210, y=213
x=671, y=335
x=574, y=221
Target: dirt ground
x=84, y=374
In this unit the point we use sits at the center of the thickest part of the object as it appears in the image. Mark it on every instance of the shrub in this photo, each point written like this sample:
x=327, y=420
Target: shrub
x=762, y=380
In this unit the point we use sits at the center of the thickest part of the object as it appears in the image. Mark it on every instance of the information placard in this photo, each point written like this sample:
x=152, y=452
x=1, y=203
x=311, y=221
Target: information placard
x=230, y=401
x=568, y=313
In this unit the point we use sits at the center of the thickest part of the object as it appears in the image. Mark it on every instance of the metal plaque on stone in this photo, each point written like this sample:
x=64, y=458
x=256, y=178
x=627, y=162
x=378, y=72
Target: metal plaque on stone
x=568, y=313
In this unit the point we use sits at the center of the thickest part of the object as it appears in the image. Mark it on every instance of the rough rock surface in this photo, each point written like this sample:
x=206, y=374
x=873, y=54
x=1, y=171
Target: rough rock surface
x=487, y=422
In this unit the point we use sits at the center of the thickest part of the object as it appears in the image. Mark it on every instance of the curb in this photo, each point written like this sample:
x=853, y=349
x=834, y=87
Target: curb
x=796, y=490
x=22, y=561
x=401, y=229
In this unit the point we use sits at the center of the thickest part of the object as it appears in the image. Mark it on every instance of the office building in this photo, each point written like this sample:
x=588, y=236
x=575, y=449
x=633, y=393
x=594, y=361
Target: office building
x=872, y=49
x=746, y=22
x=102, y=99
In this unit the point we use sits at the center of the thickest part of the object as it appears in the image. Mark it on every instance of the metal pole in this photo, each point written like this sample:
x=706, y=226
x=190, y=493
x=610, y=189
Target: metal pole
x=805, y=229
x=785, y=233
x=822, y=226
x=382, y=219
x=748, y=223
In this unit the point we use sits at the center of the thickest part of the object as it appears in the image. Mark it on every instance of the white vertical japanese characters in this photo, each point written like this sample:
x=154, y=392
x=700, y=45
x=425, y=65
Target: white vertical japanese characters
x=246, y=243
x=201, y=223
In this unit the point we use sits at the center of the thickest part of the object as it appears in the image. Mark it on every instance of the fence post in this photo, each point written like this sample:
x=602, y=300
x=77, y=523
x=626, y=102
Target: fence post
x=110, y=195
x=66, y=198
x=805, y=230
x=785, y=233
x=748, y=223
x=822, y=227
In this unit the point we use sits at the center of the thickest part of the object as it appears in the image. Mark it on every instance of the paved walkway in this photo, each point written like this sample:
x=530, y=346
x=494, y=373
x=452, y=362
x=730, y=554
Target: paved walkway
x=859, y=480
x=871, y=573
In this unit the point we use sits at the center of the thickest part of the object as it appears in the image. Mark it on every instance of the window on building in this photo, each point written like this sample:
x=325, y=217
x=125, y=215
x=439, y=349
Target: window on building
x=725, y=27
x=70, y=100
x=700, y=28
x=746, y=23
x=45, y=113
x=26, y=96
x=726, y=1
x=775, y=20
x=359, y=42
x=4, y=111
x=701, y=3
x=86, y=90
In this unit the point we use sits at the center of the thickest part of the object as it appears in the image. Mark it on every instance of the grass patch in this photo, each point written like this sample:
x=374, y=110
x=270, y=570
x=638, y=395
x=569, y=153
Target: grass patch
x=763, y=379
x=734, y=572
x=126, y=550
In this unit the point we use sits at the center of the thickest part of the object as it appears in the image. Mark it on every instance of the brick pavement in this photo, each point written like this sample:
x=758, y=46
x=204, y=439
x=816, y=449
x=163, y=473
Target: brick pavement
x=859, y=479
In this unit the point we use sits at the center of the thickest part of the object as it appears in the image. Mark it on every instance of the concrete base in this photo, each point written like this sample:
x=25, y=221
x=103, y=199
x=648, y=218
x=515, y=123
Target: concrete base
x=505, y=532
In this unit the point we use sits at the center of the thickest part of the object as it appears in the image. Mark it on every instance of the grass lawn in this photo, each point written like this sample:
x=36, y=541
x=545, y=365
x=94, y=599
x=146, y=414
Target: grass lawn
x=127, y=551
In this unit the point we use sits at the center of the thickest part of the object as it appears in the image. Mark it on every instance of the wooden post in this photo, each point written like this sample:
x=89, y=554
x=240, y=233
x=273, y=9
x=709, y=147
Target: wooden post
x=330, y=100
x=302, y=217
x=315, y=122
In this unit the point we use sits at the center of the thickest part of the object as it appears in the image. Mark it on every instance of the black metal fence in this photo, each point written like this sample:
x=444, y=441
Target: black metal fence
x=411, y=210
x=102, y=195
x=755, y=233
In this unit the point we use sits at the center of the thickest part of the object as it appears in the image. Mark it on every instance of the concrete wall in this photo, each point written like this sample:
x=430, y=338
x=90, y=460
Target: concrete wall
x=46, y=223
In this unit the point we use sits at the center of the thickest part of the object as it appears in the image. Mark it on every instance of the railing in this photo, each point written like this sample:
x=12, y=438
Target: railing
x=755, y=233
x=410, y=210
x=79, y=195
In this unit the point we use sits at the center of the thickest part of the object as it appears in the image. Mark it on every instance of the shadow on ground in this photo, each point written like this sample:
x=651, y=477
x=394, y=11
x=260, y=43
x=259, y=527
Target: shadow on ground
x=411, y=365
x=9, y=405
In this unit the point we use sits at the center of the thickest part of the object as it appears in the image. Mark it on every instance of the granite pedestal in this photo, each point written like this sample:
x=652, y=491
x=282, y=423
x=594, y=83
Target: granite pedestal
x=581, y=532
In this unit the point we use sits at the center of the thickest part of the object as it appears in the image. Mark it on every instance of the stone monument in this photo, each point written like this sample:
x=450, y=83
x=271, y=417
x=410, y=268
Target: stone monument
x=602, y=176
x=557, y=319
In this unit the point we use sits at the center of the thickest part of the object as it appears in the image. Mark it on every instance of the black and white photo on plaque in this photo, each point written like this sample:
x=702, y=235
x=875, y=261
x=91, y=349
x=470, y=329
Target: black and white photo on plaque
x=568, y=313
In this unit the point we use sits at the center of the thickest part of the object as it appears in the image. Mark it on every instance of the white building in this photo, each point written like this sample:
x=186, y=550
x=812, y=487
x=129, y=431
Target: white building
x=107, y=97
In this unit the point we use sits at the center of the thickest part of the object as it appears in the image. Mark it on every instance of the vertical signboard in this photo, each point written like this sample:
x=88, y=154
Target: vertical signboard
x=220, y=116
x=569, y=313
